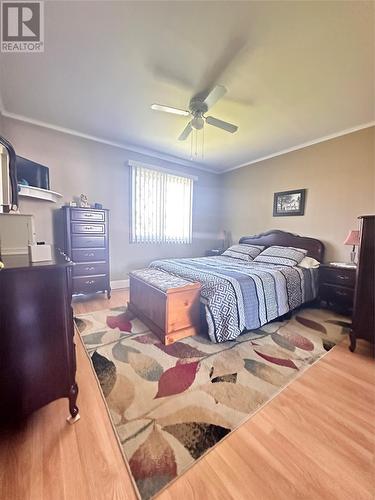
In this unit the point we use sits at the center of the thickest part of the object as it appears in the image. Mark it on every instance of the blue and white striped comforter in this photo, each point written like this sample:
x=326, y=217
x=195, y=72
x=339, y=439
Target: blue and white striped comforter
x=240, y=296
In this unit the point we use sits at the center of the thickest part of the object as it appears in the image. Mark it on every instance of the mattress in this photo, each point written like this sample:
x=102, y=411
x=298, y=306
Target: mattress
x=240, y=296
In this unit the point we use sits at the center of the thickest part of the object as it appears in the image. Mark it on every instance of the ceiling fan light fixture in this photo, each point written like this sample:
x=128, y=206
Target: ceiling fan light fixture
x=197, y=122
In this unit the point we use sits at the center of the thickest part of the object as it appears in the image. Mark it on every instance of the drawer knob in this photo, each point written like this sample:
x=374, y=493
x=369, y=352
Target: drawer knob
x=342, y=277
x=340, y=292
x=90, y=282
x=88, y=215
x=90, y=268
x=88, y=228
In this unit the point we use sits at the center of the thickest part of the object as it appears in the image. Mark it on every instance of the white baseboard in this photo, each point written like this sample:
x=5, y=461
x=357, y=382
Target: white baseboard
x=118, y=284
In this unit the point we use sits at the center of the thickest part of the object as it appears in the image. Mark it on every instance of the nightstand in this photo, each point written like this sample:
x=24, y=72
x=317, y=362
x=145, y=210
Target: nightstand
x=336, y=287
x=214, y=252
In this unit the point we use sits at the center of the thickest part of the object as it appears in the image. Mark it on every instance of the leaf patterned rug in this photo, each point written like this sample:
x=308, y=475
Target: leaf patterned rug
x=171, y=404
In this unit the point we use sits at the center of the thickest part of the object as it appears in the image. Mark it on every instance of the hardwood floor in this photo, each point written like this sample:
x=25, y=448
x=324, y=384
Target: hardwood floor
x=315, y=440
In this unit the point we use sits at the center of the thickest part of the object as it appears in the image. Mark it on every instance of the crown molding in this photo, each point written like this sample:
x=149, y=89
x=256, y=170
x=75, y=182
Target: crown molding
x=126, y=147
x=302, y=146
x=175, y=159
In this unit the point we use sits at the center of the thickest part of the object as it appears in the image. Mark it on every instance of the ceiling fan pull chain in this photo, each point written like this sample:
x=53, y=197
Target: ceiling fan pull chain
x=203, y=143
x=191, y=146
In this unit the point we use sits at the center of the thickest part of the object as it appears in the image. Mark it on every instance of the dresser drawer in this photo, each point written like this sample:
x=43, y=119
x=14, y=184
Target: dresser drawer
x=87, y=215
x=344, y=277
x=89, y=255
x=337, y=294
x=87, y=228
x=88, y=241
x=90, y=268
x=90, y=284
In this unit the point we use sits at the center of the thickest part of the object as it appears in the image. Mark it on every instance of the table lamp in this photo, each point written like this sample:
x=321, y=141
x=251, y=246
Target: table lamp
x=352, y=239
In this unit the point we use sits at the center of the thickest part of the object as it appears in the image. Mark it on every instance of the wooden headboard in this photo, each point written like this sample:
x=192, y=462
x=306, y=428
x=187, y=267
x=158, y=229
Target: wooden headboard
x=315, y=248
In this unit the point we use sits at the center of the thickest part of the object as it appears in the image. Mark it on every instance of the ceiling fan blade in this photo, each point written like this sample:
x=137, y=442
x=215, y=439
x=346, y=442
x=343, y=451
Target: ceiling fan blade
x=216, y=93
x=170, y=109
x=220, y=124
x=186, y=132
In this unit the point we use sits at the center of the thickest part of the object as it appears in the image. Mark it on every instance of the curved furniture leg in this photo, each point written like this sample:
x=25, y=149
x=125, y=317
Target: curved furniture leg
x=73, y=408
x=109, y=293
x=353, y=341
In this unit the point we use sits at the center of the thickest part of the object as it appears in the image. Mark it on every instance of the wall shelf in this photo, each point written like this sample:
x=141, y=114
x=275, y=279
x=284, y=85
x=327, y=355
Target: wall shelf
x=38, y=193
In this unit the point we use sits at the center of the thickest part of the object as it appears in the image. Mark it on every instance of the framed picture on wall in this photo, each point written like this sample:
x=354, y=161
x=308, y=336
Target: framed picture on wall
x=289, y=203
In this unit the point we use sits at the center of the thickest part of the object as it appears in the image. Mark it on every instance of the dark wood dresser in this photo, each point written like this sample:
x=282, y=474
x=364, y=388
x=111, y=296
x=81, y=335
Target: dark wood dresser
x=363, y=325
x=37, y=351
x=87, y=245
x=336, y=287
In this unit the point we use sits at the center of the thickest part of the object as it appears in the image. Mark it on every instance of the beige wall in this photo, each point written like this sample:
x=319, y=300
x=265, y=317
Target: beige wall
x=100, y=171
x=338, y=175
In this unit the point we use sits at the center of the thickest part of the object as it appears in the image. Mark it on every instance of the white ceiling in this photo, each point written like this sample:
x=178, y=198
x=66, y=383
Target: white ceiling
x=295, y=72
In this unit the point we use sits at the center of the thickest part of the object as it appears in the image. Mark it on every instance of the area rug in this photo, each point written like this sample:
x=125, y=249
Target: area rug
x=171, y=404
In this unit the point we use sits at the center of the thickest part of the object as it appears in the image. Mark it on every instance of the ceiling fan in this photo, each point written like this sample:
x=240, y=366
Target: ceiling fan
x=198, y=106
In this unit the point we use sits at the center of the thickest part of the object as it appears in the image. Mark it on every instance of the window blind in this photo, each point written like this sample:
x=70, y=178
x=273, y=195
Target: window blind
x=161, y=206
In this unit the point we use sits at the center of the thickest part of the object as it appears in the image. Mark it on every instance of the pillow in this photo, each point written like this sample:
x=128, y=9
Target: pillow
x=243, y=252
x=282, y=256
x=309, y=263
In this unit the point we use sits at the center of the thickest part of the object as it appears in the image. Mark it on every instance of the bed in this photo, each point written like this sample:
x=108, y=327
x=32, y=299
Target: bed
x=239, y=296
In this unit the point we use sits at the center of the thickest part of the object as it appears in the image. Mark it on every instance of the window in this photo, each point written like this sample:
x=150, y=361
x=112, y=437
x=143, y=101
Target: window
x=161, y=206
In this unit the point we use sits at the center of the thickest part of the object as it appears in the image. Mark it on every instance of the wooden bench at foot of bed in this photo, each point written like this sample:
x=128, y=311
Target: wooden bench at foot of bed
x=167, y=304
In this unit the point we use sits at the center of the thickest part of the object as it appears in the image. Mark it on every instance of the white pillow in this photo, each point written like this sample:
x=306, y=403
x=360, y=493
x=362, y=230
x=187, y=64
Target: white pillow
x=281, y=256
x=243, y=251
x=309, y=263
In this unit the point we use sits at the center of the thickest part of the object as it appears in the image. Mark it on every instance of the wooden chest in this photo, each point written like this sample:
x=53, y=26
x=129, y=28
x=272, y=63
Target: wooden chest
x=87, y=245
x=168, y=305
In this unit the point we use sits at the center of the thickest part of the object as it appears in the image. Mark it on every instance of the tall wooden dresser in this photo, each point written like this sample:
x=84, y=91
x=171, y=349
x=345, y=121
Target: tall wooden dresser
x=37, y=351
x=87, y=245
x=363, y=325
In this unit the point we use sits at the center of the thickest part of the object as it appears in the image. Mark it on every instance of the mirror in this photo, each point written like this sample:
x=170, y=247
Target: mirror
x=8, y=177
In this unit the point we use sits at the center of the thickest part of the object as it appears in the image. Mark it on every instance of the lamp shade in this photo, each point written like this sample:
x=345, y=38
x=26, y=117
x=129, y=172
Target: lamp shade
x=352, y=238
